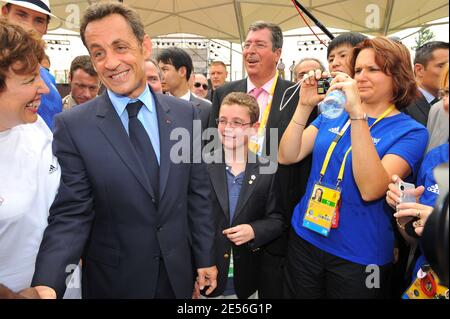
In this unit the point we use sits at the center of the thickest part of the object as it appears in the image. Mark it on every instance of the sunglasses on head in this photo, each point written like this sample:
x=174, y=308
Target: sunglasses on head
x=204, y=86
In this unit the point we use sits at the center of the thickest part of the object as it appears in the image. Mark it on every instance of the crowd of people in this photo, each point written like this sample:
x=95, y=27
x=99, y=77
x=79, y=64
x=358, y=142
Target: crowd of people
x=92, y=198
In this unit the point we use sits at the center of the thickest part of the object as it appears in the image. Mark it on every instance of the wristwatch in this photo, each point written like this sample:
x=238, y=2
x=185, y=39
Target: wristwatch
x=363, y=118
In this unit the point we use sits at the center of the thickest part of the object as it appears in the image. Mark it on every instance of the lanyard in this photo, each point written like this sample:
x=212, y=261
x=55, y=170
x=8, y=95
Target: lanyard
x=265, y=117
x=338, y=138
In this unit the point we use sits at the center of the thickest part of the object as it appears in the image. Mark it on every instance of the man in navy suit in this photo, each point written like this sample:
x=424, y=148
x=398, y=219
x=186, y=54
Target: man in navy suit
x=139, y=235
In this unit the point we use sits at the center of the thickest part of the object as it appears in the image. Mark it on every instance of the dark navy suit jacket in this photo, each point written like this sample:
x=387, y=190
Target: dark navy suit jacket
x=106, y=213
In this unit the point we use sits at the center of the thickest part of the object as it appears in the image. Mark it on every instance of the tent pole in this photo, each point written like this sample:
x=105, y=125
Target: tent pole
x=313, y=18
x=231, y=61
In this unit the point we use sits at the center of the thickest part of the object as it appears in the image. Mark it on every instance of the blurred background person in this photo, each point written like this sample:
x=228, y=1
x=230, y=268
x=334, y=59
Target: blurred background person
x=281, y=69
x=429, y=62
x=29, y=173
x=381, y=142
x=45, y=62
x=153, y=74
x=199, y=85
x=291, y=71
x=177, y=67
x=305, y=65
x=84, y=82
x=218, y=76
x=35, y=15
x=437, y=124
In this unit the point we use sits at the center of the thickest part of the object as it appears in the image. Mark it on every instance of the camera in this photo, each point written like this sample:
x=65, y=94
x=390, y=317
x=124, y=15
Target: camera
x=323, y=85
x=407, y=190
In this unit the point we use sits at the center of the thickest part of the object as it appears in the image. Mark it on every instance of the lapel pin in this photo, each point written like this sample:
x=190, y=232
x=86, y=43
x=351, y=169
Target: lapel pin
x=253, y=177
x=168, y=121
x=250, y=182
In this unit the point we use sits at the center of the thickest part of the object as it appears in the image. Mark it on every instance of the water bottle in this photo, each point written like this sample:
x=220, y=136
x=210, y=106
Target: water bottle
x=333, y=105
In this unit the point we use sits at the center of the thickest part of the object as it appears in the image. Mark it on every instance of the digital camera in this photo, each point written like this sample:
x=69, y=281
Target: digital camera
x=323, y=85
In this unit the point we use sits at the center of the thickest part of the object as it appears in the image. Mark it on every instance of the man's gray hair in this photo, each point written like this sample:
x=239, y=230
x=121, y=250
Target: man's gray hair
x=275, y=30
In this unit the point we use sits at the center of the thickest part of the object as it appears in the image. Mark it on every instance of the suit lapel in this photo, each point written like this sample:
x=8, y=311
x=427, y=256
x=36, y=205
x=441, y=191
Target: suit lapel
x=275, y=114
x=423, y=106
x=195, y=103
x=111, y=126
x=219, y=182
x=248, y=186
x=165, y=126
x=241, y=86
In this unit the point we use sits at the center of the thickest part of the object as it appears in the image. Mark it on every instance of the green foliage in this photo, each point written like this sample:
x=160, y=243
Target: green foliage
x=424, y=35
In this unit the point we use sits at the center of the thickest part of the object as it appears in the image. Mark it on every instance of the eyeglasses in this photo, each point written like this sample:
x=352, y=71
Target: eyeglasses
x=198, y=84
x=258, y=45
x=443, y=93
x=233, y=124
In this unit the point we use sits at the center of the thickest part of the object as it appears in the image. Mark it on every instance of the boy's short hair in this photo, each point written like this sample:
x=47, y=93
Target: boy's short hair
x=244, y=100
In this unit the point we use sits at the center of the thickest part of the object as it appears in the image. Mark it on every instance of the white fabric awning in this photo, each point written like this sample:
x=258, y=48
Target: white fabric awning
x=229, y=19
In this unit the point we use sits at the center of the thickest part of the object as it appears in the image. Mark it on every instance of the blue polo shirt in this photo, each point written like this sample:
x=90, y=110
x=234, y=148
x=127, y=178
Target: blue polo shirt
x=434, y=158
x=234, y=184
x=365, y=235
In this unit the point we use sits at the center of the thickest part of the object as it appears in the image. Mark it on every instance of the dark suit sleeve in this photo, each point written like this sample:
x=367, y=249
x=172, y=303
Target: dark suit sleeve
x=70, y=219
x=201, y=218
x=216, y=101
x=273, y=223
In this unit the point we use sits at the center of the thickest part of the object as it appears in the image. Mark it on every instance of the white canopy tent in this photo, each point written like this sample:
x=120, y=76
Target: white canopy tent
x=229, y=19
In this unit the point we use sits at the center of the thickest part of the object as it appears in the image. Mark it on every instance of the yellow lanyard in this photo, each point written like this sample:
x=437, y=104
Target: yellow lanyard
x=254, y=147
x=265, y=117
x=338, y=138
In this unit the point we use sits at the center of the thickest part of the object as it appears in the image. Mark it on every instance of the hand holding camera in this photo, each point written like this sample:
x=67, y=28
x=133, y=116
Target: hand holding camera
x=309, y=97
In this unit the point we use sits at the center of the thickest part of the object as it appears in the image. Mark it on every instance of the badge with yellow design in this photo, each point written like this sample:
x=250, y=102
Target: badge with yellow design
x=321, y=209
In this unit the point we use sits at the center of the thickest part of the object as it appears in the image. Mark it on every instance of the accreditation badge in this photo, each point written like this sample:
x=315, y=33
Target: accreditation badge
x=426, y=286
x=321, y=209
x=256, y=144
x=231, y=267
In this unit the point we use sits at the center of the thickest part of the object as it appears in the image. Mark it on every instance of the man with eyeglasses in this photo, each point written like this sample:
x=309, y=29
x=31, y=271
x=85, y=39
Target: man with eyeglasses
x=261, y=53
x=200, y=86
x=84, y=82
x=429, y=62
x=35, y=15
x=177, y=67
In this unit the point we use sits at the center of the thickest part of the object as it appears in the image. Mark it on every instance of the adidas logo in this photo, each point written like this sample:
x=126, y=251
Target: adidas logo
x=376, y=141
x=52, y=169
x=334, y=130
x=434, y=189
